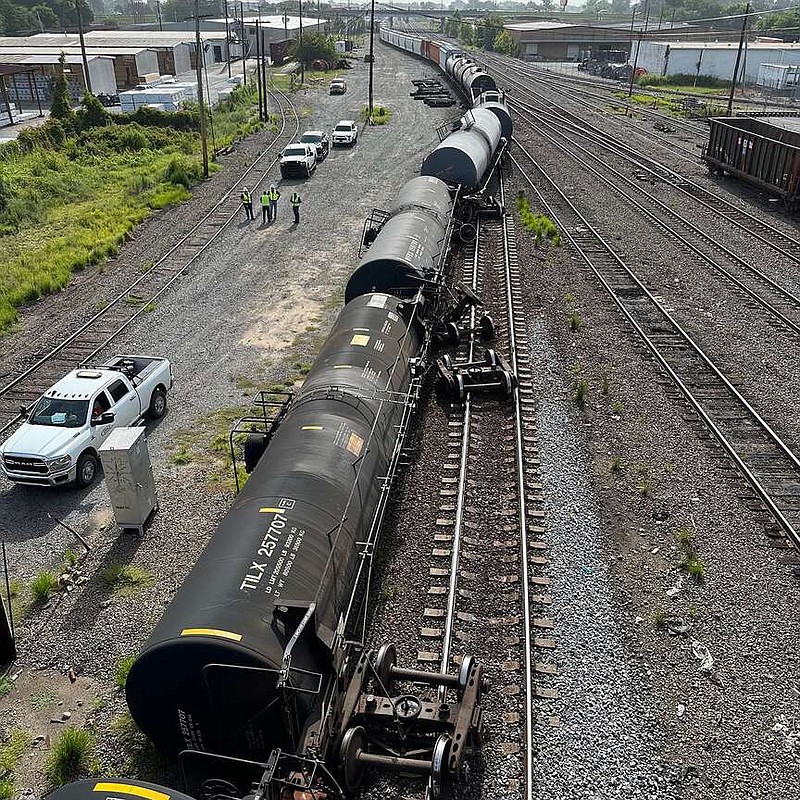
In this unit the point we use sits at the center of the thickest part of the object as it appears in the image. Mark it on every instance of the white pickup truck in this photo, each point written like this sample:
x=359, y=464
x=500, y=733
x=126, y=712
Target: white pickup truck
x=58, y=441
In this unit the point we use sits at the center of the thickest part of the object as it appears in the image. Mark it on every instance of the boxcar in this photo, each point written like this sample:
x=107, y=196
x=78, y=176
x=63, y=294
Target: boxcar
x=764, y=151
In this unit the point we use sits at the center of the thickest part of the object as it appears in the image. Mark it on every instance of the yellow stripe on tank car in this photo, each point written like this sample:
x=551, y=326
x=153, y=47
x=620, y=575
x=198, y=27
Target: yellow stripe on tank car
x=126, y=788
x=270, y=510
x=360, y=340
x=234, y=637
x=312, y=428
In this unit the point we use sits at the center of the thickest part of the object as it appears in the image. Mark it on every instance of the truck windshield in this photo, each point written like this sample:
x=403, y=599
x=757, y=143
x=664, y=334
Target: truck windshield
x=60, y=413
x=311, y=137
x=343, y=128
x=294, y=151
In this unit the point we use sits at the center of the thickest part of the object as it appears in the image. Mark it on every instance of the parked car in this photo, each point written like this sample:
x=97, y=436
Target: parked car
x=63, y=430
x=298, y=160
x=345, y=132
x=319, y=139
x=338, y=86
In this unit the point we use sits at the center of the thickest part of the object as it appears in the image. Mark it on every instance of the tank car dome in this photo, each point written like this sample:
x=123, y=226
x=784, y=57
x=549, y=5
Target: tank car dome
x=115, y=789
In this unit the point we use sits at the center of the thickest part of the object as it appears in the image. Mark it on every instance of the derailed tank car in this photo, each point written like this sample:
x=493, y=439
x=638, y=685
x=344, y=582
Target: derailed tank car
x=290, y=541
x=115, y=789
x=464, y=157
x=408, y=251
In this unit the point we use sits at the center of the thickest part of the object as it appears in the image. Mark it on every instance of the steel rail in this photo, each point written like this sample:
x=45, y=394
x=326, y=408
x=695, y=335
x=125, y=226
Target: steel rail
x=771, y=438
x=697, y=193
x=677, y=150
x=455, y=555
x=581, y=84
x=154, y=269
x=522, y=516
x=772, y=285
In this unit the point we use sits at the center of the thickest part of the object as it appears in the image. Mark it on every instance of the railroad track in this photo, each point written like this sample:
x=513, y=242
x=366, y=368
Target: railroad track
x=89, y=340
x=780, y=303
x=757, y=452
x=565, y=123
x=489, y=590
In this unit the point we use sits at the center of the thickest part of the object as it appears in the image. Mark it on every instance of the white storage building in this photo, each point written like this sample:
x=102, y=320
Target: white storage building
x=715, y=59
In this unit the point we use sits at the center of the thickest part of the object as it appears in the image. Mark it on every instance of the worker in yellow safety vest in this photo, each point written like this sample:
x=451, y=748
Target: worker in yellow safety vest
x=273, y=195
x=247, y=203
x=265, y=207
x=295, y=201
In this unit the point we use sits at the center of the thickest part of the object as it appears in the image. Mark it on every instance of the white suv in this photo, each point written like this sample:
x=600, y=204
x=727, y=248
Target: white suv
x=345, y=132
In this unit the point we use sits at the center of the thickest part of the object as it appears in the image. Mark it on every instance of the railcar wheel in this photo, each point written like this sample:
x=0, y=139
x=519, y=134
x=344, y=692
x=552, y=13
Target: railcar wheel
x=464, y=672
x=439, y=773
x=467, y=233
x=447, y=361
x=459, y=389
x=486, y=325
x=350, y=768
x=490, y=357
x=507, y=384
x=452, y=334
x=384, y=661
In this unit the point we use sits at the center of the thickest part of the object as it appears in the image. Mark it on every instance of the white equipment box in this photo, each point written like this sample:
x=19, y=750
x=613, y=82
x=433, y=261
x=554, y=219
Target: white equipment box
x=129, y=477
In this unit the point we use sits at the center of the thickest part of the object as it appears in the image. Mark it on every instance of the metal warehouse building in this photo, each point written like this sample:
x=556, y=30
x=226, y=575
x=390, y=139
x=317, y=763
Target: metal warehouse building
x=714, y=59
x=559, y=41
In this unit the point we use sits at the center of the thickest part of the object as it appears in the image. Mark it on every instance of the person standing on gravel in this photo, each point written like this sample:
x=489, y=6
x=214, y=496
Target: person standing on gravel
x=265, y=207
x=273, y=195
x=295, y=201
x=247, y=203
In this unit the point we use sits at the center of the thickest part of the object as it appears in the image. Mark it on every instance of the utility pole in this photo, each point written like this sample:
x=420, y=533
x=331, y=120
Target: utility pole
x=302, y=68
x=244, y=46
x=158, y=15
x=264, y=76
x=371, y=58
x=227, y=36
x=86, y=79
x=638, y=45
x=198, y=46
x=258, y=68
x=738, y=59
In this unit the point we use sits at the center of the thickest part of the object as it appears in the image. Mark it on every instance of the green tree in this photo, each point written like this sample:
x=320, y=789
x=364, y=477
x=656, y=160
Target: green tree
x=92, y=115
x=61, y=108
x=465, y=33
x=504, y=43
x=315, y=46
x=487, y=32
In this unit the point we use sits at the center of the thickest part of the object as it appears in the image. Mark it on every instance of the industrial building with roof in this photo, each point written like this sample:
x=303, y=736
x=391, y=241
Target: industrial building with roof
x=116, y=59
x=716, y=59
x=559, y=41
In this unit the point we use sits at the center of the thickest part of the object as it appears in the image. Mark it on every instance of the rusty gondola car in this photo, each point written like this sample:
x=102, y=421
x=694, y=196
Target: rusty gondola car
x=764, y=151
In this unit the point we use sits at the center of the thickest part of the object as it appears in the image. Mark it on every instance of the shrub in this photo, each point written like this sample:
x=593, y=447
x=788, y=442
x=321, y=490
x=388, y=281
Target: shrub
x=616, y=464
x=125, y=580
x=694, y=566
x=581, y=390
x=659, y=618
x=43, y=585
x=183, y=171
x=71, y=756
x=540, y=225
x=123, y=668
x=575, y=322
x=5, y=685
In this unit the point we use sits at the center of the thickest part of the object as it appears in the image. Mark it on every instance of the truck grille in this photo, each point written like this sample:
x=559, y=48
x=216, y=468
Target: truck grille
x=25, y=464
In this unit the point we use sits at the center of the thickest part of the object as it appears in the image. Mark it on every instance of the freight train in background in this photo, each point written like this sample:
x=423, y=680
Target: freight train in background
x=258, y=677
